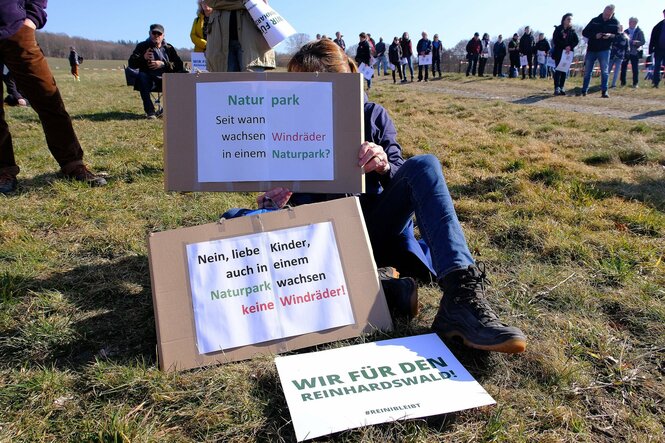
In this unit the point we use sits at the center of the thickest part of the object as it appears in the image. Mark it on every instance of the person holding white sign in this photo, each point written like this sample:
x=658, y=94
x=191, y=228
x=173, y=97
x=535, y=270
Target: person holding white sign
x=396, y=190
x=564, y=39
x=364, y=55
x=424, y=48
x=235, y=42
x=395, y=57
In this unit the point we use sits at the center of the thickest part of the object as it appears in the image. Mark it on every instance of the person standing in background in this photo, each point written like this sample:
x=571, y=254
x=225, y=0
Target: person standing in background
x=340, y=41
x=485, y=54
x=499, y=52
x=617, y=54
x=600, y=32
x=381, y=58
x=542, y=53
x=74, y=63
x=407, y=52
x=473, y=48
x=199, y=32
x=437, y=55
x=234, y=42
x=657, y=49
x=514, y=54
x=395, y=56
x=634, y=53
x=364, y=54
x=564, y=39
x=424, y=47
x=526, y=49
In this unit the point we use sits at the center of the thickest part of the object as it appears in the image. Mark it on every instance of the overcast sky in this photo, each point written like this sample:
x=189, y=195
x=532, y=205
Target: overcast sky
x=452, y=20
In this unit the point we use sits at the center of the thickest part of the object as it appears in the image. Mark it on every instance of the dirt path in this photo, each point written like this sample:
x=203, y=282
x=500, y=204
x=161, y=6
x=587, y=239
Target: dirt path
x=646, y=104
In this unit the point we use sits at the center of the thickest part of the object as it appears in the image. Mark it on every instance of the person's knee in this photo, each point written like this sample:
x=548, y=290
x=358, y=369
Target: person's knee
x=425, y=162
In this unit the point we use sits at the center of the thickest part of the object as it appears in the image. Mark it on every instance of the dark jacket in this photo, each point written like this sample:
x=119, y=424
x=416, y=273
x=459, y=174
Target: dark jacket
x=526, y=44
x=172, y=62
x=499, y=49
x=473, y=47
x=562, y=38
x=394, y=53
x=543, y=45
x=341, y=43
x=14, y=12
x=424, y=46
x=514, y=50
x=598, y=25
x=407, y=49
x=363, y=53
x=654, y=42
x=619, y=46
x=73, y=58
x=638, y=36
x=380, y=49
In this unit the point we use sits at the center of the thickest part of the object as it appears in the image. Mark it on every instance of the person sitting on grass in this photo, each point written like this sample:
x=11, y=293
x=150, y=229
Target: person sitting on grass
x=396, y=190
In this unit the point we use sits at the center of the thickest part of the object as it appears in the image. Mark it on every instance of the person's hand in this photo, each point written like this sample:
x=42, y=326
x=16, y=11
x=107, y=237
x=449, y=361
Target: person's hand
x=274, y=198
x=372, y=157
x=567, y=49
x=155, y=64
x=29, y=23
x=148, y=55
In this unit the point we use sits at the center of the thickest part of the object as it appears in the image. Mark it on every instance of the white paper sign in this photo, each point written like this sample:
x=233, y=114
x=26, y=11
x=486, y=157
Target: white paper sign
x=541, y=57
x=551, y=63
x=366, y=71
x=199, y=62
x=565, y=62
x=373, y=383
x=266, y=286
x=523, y=60
x=391, y=66
x=264, y=131
x=403, y=61
x=425, y=59
x=273, y=26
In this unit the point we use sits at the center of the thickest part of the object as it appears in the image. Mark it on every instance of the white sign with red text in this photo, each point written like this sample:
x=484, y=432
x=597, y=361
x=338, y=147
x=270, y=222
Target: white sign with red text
x=266, y=286
x=345, y=388
x=264, y=131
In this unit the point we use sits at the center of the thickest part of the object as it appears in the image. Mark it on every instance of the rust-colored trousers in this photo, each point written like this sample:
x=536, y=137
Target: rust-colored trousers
x=25, y=60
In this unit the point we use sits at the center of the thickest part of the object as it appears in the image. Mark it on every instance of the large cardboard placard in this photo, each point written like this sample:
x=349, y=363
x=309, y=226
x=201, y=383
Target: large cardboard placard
x=172, y=292
x=345, y=388
x=256, y=131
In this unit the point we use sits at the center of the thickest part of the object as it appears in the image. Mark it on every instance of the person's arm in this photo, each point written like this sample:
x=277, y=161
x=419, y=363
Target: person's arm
x=35, y=11
x=137, y=59
x=589, y=31
x=175, y=63
x=638, y=39
x=383, y=135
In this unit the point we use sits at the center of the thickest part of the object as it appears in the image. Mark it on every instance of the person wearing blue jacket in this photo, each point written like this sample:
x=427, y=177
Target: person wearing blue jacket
x=20, y=52
x=424, y=47
x=396, y=189
x=499, y=51
x=601, y=32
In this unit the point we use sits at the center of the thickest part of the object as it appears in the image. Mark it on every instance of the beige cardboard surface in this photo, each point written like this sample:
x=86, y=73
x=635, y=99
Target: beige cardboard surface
x=180, y=123
x=172, y=298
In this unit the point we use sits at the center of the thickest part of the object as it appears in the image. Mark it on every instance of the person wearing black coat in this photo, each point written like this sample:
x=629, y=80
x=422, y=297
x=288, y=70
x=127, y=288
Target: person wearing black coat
x=473, y=48
x=424, y=47
x=499, y=52
x=600, y=32
x=514, y=54
x=407, y=53
x=364, y=54
x=564, y=39
x=657, y=49
x=542, y=45
x=526, y=48
x=395, y=57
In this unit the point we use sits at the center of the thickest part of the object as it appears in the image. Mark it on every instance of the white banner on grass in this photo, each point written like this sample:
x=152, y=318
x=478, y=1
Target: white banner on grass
x=266, y=286
x=345, y=388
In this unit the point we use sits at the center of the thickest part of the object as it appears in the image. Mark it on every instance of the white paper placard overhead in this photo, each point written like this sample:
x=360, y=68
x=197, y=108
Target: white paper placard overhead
x=346, y=388
x=272, y=25
x=266, y=286
x=264, y=131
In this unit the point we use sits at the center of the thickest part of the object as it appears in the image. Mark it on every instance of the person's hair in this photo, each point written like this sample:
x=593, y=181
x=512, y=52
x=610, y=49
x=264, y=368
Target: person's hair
x=362, y=35
x=486, y=35
x=565, y=16
x=610, y=6
x=321, y=56
x=406, y=34
x=634, y=19
x=475, y=34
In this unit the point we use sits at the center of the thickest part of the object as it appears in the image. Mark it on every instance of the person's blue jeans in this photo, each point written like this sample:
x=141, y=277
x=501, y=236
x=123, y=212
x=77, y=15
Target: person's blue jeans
x=542, y=67
x=419, y=188
x=603, y=58
x=659, y=58
x=235, y=56
x=409, y=63
x=145, y=83
x=615, y=64
x=382, y=61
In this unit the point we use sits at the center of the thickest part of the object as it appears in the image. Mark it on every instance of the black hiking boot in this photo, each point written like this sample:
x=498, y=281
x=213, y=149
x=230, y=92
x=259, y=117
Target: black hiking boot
x=401, y=293
x=465, y=313
x=7, y=183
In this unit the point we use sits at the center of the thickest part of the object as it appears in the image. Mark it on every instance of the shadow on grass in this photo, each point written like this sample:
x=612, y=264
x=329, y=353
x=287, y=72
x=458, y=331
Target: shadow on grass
x=532, y=99
x=109, y=116
x=113, y=316
x=647, y=190
x=649, y=114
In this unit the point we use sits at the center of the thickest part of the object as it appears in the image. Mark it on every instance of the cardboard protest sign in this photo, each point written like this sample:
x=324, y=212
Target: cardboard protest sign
x=257, y=131
x=272, y=25
x=212, y=293
x=345, y=388
x=199, y=62
x=425, y=60
x=267, y=286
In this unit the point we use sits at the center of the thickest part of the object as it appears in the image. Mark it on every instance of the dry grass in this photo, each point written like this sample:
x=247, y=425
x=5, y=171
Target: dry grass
x=567, y=209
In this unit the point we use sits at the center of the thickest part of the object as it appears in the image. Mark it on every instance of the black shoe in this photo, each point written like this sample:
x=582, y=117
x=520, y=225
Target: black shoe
x=401, y=293
x=562, y=92
x=8, y=183
x=605, y=95
x=82, y=174
x=465, y=313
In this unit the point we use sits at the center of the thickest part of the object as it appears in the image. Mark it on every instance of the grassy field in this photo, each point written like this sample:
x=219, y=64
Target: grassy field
x=566, y=209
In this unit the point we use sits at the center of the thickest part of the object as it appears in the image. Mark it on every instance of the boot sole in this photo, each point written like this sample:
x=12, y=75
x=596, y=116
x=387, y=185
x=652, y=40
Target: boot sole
x=510, y=346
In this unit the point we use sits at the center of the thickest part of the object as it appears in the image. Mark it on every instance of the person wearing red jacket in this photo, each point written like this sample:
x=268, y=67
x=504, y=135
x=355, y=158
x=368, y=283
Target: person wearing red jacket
x=20, y=52
x=473, y=49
